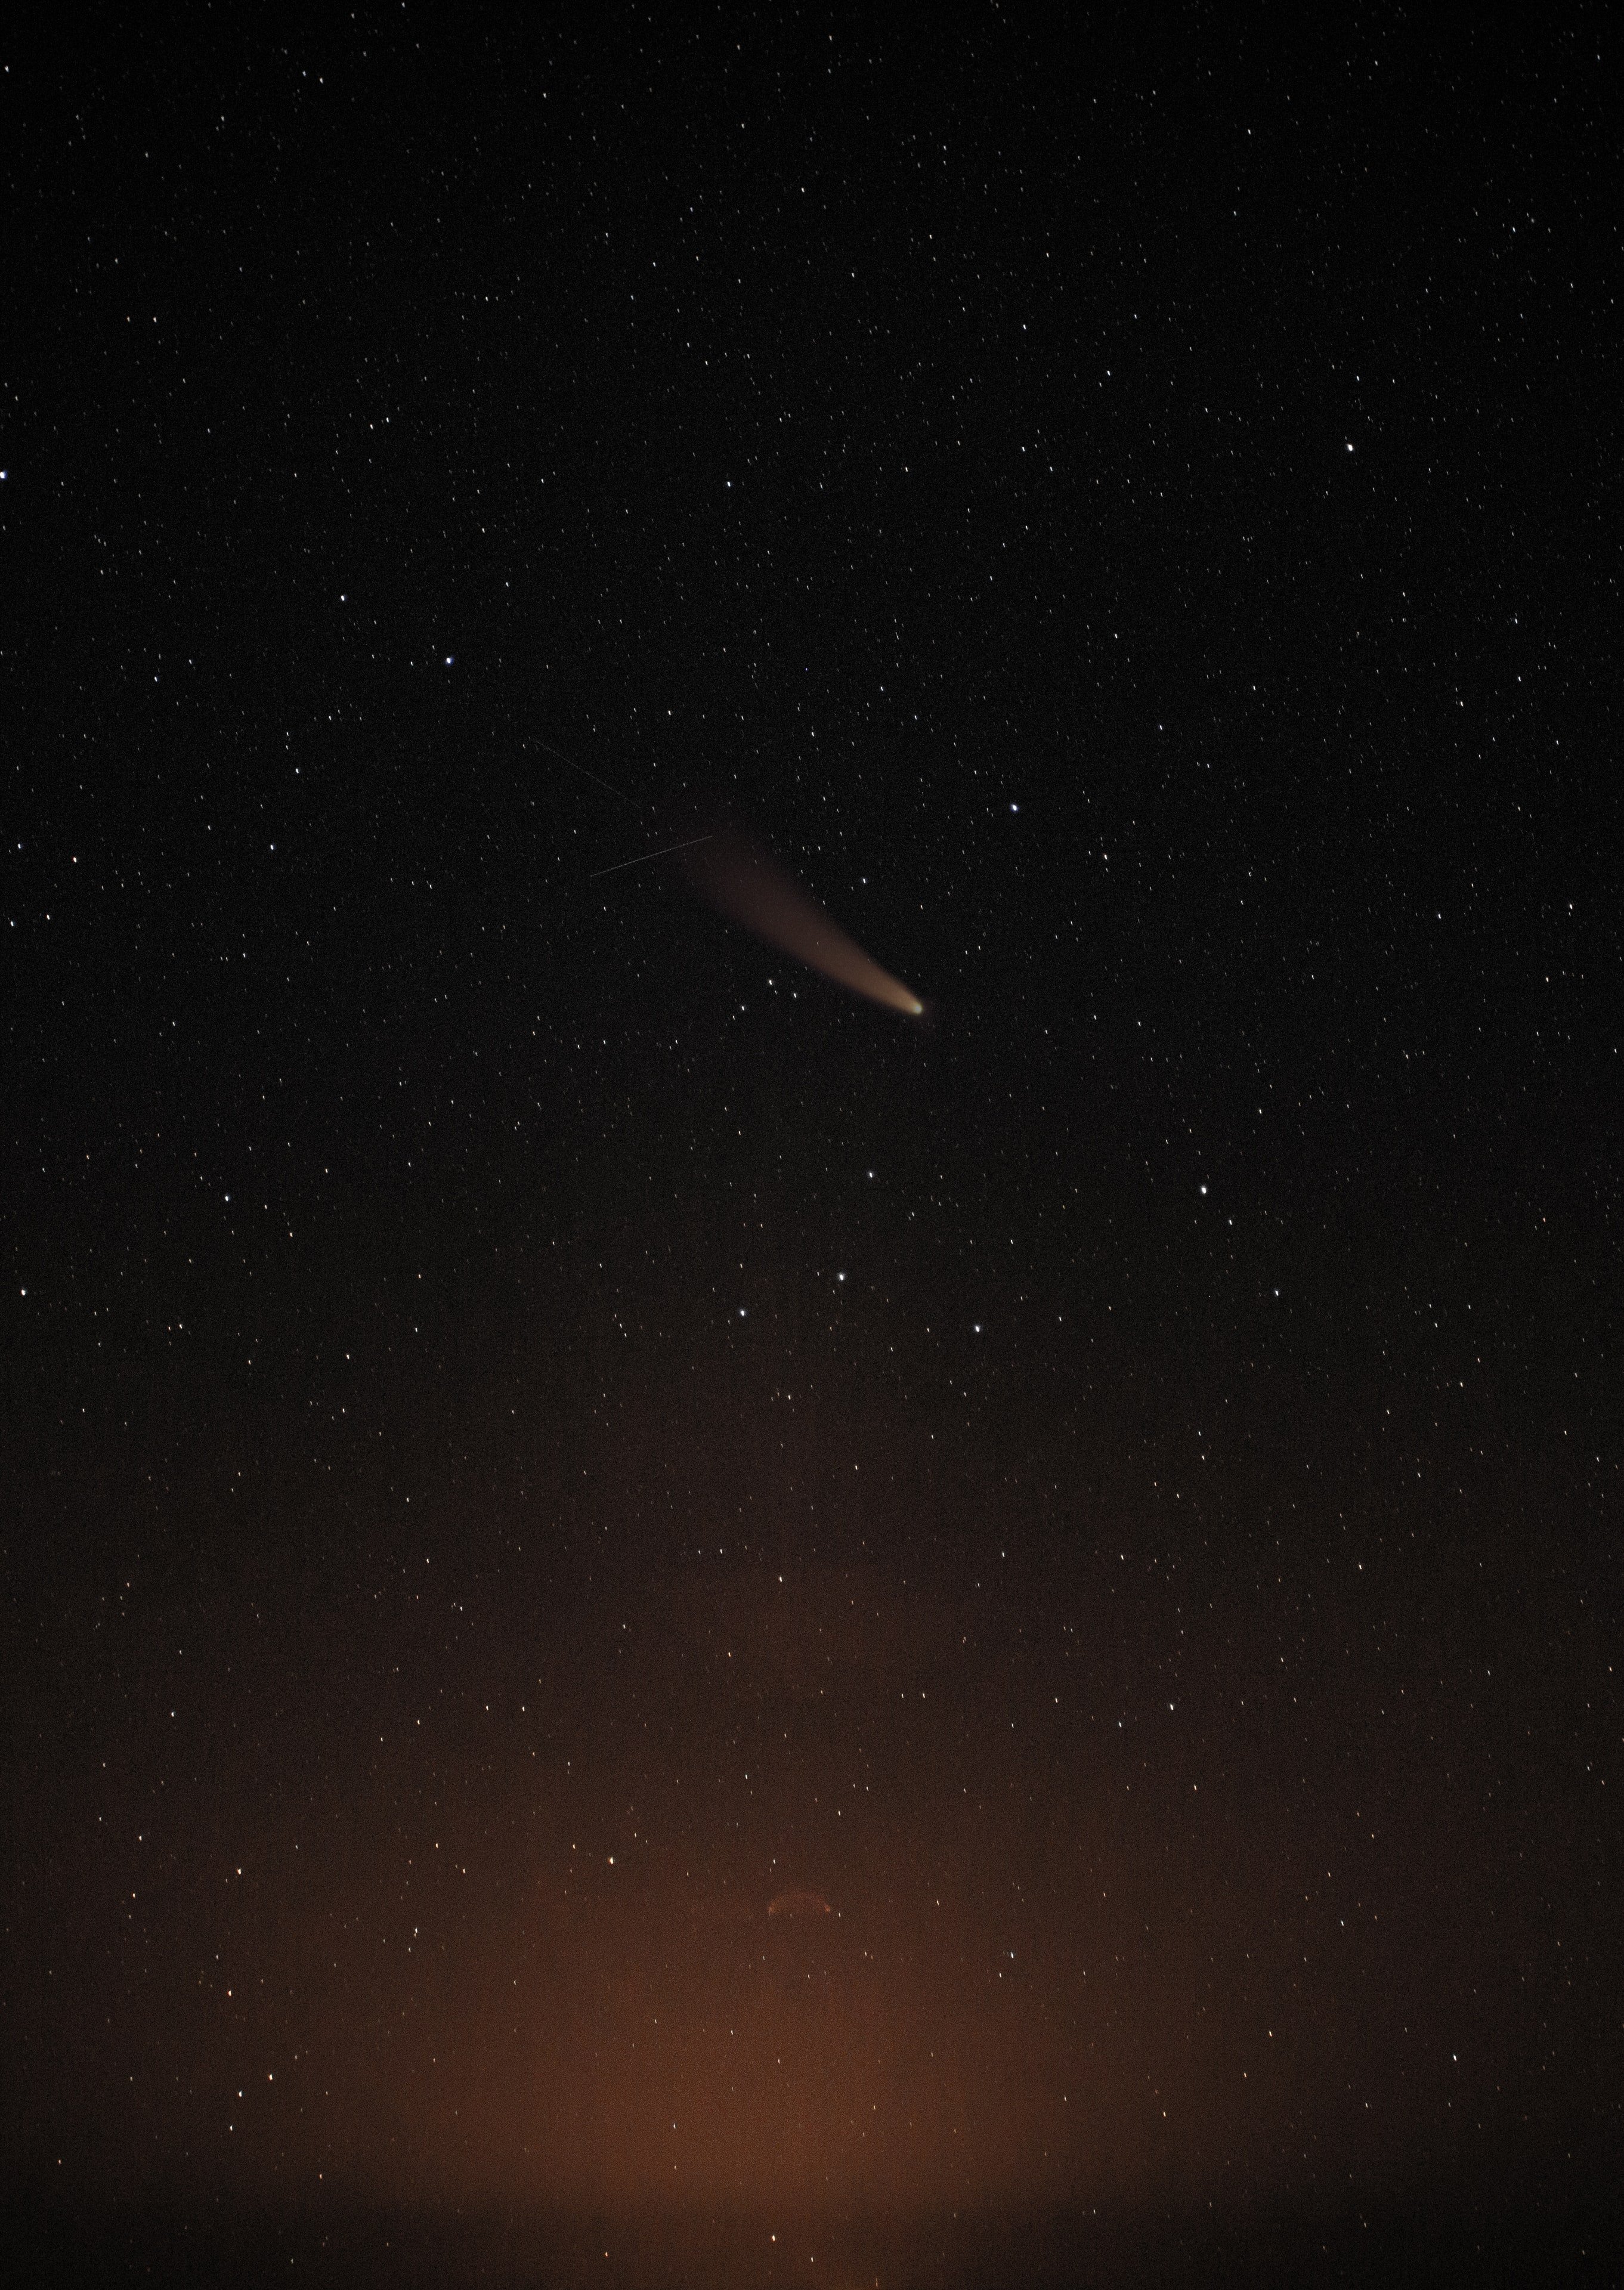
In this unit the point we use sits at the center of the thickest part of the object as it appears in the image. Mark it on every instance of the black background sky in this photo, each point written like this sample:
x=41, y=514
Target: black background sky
x=533, y=1425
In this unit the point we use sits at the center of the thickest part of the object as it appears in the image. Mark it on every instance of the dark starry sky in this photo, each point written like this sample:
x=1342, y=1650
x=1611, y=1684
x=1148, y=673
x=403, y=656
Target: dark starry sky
x=533, y=1425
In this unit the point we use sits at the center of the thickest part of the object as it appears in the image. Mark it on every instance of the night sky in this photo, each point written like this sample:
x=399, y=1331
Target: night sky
x=640, y=1588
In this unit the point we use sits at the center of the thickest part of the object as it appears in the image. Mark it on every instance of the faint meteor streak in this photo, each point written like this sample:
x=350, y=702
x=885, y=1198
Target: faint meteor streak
x=745, y=885
x=581, y=772
x=643, y=858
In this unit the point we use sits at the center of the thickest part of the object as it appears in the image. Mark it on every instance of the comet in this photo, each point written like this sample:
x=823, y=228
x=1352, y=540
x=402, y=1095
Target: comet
x=746, y=885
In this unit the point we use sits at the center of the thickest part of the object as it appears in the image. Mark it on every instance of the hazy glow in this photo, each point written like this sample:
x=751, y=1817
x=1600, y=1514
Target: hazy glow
x=746, y=885
x=799, y=1904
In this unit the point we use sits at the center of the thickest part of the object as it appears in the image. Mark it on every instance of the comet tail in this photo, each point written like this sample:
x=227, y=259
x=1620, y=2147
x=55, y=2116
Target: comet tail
x=746, y=885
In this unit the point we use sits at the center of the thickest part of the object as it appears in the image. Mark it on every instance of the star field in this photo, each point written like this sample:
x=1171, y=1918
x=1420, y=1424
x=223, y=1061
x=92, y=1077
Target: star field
x=544, y=1445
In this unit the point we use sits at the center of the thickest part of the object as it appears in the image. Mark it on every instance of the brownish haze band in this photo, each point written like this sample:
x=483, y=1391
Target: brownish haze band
x=799, y=1904
x=748, y=887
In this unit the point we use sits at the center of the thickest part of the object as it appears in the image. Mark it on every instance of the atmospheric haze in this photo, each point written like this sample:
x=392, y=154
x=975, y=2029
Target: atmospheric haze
x=744, y=883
